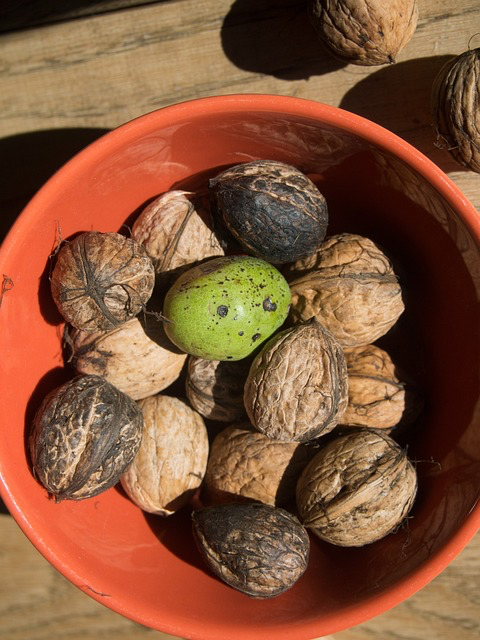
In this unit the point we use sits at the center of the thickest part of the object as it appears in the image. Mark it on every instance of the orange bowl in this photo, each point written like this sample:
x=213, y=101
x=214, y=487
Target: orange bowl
x=147, y=568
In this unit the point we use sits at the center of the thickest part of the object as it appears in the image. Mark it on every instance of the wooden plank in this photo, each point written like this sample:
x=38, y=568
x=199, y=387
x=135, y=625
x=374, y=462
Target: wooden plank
x=23, y=14
x=67, y=82
x=102, y=71
x=38, y=603
x=448, y=608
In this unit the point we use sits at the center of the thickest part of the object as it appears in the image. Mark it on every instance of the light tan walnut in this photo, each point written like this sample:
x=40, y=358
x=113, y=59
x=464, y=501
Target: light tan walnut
x=136, y=357
x=364, y=32
x=176, y=233
x=455, y=98
x=377, y=397
x=246, y=465
x=297, y=385
x=172, y=459
x=350, y=286
x=357, y=489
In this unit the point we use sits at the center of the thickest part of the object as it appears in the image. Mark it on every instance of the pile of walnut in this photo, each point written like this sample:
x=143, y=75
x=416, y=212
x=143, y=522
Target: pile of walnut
x=140, y=412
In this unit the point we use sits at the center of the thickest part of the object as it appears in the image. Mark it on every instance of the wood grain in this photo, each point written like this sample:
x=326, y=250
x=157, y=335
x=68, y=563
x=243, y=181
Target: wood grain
x=77, y=73
x=38, y=603
x=100, y=71
x=25, y=14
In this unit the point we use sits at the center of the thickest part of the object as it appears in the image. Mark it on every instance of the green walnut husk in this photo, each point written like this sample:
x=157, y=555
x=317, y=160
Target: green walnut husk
x=224, y=308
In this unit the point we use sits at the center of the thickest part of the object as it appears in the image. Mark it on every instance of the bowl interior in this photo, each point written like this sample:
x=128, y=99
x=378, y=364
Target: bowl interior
x=146, y=567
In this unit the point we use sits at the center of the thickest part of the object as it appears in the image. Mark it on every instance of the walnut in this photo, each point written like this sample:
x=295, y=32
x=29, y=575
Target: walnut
x=245, y=465
x=255, y=548
x=171, y=462
x=350, y=287
x=176, y=233
x=377, y=398
x=357, y=489
x=84, y=435
x=215, y=387
x=136, y=357
x=272, y=209
x=364, y=33
x=455, y=98
x=297, y=385
x=101, y=280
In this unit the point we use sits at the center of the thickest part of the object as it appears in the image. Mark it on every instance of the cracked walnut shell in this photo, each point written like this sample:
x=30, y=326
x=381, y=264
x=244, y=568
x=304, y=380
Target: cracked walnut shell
x=357, y=489
x=364, y=32
x=350, y=286
x=455, y=98
x=83, y=437
x=171, y=462
x=297, y=385
x=245, y=465
x=255, y=548
x=101, y=280
x=136, y=357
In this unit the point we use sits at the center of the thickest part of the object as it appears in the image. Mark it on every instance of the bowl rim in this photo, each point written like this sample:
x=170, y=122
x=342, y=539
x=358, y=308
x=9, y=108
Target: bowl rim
x=335, y=117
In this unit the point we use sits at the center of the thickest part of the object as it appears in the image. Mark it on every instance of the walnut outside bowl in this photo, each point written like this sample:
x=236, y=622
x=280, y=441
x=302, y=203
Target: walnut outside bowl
x=147, y=568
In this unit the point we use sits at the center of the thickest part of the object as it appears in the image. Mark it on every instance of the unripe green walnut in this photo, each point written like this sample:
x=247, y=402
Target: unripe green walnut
x=226, y=307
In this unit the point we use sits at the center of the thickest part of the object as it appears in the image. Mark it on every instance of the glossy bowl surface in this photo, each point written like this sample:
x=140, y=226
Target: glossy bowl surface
x=377, y=185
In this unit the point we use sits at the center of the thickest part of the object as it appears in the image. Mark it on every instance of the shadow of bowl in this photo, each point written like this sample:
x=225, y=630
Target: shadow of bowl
x=398, y=97
x=27, y=160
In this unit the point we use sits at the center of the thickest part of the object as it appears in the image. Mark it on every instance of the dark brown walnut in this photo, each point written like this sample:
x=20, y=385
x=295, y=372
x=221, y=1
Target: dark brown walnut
x=136, y=357
x=297, y=385
x=364, y=32
x=357, y=489
x=350, y=286
x=455, y=99
x=215, y=388
x=255, y=548
x=84, y=435
x=377, y=397
x=101, y=280
x=171, y=462
x=272, y=209
x=245, y=465
x=176, y=232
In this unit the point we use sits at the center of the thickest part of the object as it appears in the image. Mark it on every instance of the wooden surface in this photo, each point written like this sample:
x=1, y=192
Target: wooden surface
x=71, y=70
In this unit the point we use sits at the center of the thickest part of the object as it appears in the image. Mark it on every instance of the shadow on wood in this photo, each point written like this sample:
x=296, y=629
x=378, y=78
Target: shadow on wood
x=275, y=37
x=24, y=14
x=3, y=508
x=28, y=160
x=398, y=97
